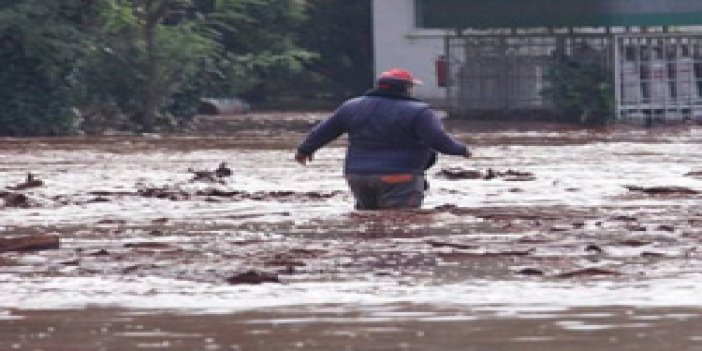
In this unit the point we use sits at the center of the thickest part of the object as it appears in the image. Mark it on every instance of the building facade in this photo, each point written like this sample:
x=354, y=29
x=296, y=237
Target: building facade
x=477, y=57
x=400, y=42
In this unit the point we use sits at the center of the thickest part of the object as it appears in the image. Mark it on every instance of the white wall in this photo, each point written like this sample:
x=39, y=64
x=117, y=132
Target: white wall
x=397, y=43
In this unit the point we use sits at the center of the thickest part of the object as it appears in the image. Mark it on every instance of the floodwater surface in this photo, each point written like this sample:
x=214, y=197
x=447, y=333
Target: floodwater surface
x=550, y=238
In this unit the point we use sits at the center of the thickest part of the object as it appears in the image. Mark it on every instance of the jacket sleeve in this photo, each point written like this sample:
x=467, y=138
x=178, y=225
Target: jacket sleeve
x=430, y=129
x=323, y=133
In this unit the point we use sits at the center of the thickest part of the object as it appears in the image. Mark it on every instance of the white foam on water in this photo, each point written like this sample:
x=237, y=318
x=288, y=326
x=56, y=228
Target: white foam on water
x=505, y=298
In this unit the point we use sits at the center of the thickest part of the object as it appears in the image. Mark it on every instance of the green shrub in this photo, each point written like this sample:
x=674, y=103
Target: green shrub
x=581, y=88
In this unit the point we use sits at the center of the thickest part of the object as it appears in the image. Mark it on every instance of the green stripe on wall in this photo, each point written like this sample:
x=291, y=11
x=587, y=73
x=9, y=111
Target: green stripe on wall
x=556, y=13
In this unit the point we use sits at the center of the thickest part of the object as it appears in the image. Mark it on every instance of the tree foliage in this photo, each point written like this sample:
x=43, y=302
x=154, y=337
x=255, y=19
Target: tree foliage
x=269, y=59
x=340, y=32
x=42, y=46
x=581, y=87
x=87, y=65
x=149, y=52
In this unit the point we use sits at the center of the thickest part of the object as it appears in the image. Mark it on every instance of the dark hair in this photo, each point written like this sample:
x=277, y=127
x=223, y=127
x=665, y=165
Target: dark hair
x=394, y=85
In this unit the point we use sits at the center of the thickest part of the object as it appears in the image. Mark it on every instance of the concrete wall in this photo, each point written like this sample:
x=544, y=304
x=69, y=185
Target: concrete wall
x=398, y=43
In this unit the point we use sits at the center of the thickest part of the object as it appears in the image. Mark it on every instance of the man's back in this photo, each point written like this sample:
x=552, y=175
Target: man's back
x=382, y=135
x=393, y=138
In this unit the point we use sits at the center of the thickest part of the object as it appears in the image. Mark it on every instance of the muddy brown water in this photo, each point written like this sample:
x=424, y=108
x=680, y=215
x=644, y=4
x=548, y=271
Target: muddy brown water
x=597, y=249
x=330, y=328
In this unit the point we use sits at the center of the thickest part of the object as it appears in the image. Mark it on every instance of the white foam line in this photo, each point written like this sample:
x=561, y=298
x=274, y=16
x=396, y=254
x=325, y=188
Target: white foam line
x=505, y=296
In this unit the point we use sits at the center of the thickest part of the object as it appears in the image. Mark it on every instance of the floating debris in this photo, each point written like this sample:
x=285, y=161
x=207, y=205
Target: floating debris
x=588, y=272
x=531, y=272
x=457, y=173
x=222, y=171
x=16, y=200
x=30, y=182
x=694, y=174
x=253, y=277
x=594, y=249
x=634, y=242
x=176, y=194
x=148, y=245
x=436, y=243
x=662, y=190
x=514, y=176
x=666, y=228
x=462, y=255
x=30, y=243
x=101, y=252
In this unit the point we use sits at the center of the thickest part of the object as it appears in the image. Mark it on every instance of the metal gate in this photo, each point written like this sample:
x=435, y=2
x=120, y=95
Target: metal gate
x=505, y=74
x=657, y=76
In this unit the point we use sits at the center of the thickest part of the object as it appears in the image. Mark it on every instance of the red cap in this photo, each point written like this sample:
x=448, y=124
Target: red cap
x=400, y=74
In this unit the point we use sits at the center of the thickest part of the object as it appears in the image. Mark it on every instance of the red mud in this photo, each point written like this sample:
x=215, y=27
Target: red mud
x=615, y=206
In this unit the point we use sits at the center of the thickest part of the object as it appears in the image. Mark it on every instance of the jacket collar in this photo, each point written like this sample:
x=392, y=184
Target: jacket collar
x=389, y=94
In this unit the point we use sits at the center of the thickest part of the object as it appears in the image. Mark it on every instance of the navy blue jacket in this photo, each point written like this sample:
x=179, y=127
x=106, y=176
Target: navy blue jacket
x=388, y=133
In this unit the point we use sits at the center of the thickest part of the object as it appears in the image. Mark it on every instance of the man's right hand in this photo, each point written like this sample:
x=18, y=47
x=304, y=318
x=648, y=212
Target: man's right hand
x=302, y=158
x=468, y=154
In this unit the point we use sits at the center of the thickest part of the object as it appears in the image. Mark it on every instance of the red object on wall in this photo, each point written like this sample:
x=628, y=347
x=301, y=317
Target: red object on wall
x=441, y=67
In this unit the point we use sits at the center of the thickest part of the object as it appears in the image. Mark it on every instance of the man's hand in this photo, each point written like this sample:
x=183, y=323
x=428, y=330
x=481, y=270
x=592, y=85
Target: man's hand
x=468, y=154
x=302, y=158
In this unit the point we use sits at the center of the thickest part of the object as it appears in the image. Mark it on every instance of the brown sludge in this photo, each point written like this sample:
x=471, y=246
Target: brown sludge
x=492, y=240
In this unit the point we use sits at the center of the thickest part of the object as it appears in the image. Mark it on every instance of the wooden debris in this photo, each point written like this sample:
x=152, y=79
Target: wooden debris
x=112, y=221
x=98, y=199
x=634, y=242
x=456, y=173
x=446, y=207
x=625, y=218
x=636, y=227
x=594, y=249
x=31, y=182
x=16, y=200
x=695, y=174
x=588, y=272
x=74, y=262
x=462, y=255
x=101, y=252
x=666, y=228
x=436, y=243
x=530, y=272
x=662, y=190
x=281, y=262
x=652, y=254
x=517, y=176
x=253, y=277
x=149, y=245
x=535, y=239
x=103, y=193
x=30, y=243
x=222, y=171
x=6, y=262
x=165, y=192
x=560, y=228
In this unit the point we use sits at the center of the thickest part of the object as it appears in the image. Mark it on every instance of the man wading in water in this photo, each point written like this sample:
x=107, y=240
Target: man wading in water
x=393, y=139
